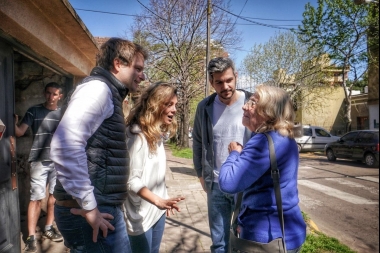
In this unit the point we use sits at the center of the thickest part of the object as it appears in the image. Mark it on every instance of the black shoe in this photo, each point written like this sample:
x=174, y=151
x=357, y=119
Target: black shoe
x=53, y=235
x=30, y=245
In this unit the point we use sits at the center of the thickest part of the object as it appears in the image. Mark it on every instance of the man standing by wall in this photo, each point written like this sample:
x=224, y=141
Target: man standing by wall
x=218, y=122
x=43, y=119
x=90, y=154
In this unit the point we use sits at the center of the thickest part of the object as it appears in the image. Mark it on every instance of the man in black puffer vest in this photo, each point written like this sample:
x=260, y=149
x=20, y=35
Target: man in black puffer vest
x=90, y=154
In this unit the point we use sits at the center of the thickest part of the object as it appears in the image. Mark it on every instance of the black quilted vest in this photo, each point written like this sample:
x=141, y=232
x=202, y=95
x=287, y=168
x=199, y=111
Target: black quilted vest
x=107, y=155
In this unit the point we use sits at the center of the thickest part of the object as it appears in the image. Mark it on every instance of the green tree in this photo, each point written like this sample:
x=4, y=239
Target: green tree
x=174, y=31
x=360, y=83
x=286, y=62
x=340, y=28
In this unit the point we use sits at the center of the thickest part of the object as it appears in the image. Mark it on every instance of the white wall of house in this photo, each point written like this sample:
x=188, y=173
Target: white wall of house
x=373, y=116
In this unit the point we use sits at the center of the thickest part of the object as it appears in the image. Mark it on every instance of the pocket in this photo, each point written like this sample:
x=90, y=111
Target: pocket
x=69, y=225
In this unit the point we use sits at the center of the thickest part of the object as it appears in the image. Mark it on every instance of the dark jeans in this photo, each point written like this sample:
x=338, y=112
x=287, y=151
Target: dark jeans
x=149, y=242
x=77, y=233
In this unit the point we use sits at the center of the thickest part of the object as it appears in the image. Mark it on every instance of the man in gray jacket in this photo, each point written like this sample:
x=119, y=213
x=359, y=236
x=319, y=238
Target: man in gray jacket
x=218, y=121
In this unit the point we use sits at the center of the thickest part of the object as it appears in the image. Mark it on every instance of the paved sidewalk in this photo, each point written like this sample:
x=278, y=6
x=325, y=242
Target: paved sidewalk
x=185, y=232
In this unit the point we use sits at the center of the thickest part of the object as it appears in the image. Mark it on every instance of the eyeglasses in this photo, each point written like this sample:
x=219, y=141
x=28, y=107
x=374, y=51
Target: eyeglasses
x=251, y=103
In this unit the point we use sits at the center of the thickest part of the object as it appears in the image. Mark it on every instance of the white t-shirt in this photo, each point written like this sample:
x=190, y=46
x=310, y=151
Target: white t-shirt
x=227, y=127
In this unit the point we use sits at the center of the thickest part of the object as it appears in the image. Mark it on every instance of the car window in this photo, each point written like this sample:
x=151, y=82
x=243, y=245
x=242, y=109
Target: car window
x=362, y=138
x=321, y=133
x=376, y=137
x=307, y=132
x=367, y=137
x=349, y=136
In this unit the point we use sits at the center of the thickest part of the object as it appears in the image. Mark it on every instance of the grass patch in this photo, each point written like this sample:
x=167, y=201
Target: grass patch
x=318, y=242
x=182, y=153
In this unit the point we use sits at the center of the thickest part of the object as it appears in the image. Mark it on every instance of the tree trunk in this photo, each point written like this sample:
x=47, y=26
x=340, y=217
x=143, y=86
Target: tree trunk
x=347, y=114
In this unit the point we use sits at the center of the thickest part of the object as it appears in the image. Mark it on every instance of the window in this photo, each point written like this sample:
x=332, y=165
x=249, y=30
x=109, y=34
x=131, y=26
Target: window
x=366, y=137
x=349, y=136
x=307, y=132
x=321, y=133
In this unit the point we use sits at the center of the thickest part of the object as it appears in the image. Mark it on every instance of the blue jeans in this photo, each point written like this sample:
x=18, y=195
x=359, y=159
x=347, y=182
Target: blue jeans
x=77, y=233
x=149, y=242
x=220, y=208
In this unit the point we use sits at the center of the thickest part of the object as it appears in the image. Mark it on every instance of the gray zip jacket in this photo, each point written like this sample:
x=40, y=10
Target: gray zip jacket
x=203, y=138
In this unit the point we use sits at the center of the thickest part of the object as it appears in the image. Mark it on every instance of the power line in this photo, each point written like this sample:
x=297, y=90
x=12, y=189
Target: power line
x=270, y=19
x=251, y=21
x=258, y=24
x=240, y=11
x=153, y=12
x=248, y=19
x=106, y=12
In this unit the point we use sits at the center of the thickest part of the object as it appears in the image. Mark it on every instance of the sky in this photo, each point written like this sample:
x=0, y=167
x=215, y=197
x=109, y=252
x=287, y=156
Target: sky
x=284, y=13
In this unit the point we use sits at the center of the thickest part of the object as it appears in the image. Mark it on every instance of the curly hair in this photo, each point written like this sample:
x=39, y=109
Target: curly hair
x=147, y=112
x=274, y=105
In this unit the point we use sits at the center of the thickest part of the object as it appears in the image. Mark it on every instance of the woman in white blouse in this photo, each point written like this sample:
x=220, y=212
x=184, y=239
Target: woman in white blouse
x=150, y=119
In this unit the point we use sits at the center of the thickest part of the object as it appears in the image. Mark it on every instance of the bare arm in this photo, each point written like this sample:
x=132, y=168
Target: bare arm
x=20, y=130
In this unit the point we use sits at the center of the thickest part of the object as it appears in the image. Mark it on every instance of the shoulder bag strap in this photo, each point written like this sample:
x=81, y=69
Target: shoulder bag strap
x=276, y=183
x=237, y=208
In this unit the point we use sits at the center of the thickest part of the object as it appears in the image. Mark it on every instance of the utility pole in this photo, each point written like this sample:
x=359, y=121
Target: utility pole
x=207, y=88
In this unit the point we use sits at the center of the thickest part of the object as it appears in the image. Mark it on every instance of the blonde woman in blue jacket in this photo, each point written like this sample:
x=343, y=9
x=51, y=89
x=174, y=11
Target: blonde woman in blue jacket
x=247, y=170
x=152, y=117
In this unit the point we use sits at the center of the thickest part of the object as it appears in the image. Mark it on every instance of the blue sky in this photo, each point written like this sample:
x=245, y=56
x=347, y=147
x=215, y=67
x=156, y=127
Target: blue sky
x=285, y=13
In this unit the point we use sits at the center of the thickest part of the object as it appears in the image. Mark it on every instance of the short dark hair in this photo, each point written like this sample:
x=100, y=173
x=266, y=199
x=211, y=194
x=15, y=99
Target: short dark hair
x=54, y=85
x=117, y=48
x=219, y=65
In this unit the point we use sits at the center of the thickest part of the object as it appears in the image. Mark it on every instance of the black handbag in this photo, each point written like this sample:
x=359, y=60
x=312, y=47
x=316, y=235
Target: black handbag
x=239, y=245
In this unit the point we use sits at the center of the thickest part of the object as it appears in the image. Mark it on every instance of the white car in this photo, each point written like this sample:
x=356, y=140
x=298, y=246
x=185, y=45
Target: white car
x=314, y=138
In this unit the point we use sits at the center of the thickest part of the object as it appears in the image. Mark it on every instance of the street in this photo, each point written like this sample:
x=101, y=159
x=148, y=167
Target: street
x=342, y=198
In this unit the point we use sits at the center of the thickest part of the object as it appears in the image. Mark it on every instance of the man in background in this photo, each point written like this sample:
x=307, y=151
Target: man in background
x=43, y=120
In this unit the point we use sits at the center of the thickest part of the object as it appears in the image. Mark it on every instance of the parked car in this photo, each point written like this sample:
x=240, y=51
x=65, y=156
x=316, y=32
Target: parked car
x=314, y=138
x=360, y=145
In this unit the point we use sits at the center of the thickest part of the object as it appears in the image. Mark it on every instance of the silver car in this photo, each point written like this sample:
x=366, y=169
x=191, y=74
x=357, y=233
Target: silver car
x=314, y=138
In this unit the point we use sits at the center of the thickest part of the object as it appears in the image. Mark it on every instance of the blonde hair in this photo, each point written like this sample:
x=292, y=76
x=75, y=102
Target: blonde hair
x=147, y=112
x=276, y=107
